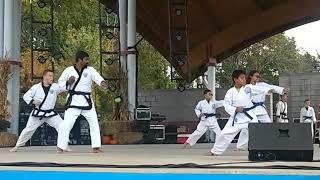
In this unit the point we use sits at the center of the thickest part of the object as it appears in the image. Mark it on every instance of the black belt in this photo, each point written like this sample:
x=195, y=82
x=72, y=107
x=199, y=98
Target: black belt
x=36, y=111
x=84, y=94
x=283, y=115
x=207, y=115
x=307, y=117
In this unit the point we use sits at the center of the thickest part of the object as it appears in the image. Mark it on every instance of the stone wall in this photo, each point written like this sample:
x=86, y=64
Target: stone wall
x=175, y=105
x=302, y=86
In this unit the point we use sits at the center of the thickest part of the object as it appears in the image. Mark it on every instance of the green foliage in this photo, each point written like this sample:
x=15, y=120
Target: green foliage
x=152, y=68
x=76, y=27
x=272, y=57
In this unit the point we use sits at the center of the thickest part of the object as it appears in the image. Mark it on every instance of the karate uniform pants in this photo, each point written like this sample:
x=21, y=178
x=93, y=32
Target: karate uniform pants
x=32, y=125
x=244, y=134
x=70, y=117
x=283, y=120
x=227, y=135
x=311, y=122
x=203, y=126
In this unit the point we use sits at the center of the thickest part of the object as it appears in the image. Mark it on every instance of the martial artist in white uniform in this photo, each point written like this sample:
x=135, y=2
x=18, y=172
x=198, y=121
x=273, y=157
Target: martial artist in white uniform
x=78, y=81
x=42, y=97
x=237, y=103
x=205, y=111
x=260, y=109
x=307, y=115
x=282, y=109
x=259, y=99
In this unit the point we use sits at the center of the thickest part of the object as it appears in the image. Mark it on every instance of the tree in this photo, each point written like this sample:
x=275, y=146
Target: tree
x=75, y=27
x=272, y=57
x=152, y=68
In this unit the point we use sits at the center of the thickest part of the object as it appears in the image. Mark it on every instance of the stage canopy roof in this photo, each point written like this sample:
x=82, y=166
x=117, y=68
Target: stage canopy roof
x=225, y=25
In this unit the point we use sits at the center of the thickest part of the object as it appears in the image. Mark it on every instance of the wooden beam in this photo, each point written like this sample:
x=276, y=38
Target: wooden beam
x=256, y=28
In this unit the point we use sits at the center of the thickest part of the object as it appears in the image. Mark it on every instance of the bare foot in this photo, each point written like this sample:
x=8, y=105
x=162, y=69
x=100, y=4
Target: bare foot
x=210, y=154
x=185, y=145
x=60, y=151
x=97, y=150
x=15, y=149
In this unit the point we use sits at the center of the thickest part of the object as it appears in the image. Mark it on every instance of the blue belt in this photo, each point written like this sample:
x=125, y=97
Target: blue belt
x=245, y=111
x=255, y=104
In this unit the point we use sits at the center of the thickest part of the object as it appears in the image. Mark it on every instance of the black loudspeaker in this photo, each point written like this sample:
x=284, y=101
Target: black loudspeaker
x=144, y=127
x=280, y=141
x=171, y=134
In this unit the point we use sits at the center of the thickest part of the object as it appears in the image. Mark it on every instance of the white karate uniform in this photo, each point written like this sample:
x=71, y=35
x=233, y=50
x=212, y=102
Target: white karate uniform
x=307, y=115
x=80, y=104
x=237, y=121
x=38, y=117
x=282, y=112
x=260, y=111
x=210, y=123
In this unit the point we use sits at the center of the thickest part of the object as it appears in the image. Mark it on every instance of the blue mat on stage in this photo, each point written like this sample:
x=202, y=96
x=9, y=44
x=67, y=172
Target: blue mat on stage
x=61, y=175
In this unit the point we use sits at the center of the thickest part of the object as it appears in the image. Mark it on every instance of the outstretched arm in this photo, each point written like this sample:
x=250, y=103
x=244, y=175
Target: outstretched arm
x=254, y=90
x=218, y=104
x=277, y=89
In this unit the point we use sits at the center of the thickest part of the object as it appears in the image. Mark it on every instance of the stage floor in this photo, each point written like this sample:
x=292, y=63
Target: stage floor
x=126, y=156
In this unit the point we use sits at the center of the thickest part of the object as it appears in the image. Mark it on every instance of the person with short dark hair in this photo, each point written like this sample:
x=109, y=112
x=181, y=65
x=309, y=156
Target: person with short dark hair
x=78, y=80
x=282, y=109
x=307, y=115
x=205, y=111
x=237, y=103
x=42, y=97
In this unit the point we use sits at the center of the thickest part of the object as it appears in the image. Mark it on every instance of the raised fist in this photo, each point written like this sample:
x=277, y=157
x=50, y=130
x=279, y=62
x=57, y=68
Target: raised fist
x=71, y=80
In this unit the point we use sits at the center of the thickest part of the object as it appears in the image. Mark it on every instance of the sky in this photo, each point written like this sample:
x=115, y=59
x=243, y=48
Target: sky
x=307, y=37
